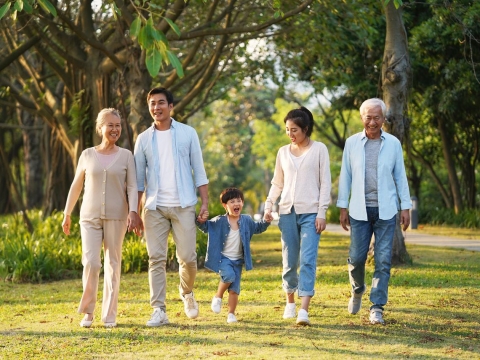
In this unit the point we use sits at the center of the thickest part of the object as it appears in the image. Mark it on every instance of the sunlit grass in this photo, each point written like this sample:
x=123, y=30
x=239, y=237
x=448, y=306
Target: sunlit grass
x=432, y=313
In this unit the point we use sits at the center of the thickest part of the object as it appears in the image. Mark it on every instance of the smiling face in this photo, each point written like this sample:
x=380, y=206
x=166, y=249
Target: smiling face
x=160, y=110
x=234, y=207
x=111, y=128
x=373, y=120
x=295, y=133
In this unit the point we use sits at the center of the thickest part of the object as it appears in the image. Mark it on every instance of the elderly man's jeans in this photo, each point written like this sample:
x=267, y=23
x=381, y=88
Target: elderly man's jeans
x=299, y=249
x=360, y=236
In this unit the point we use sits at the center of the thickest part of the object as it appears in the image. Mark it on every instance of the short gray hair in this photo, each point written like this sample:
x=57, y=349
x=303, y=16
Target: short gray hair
x=373, y=102
x=101, y=118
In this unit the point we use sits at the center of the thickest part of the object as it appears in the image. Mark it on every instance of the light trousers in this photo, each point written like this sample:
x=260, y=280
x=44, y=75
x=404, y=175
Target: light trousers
x=157, y=227
x=111, y=233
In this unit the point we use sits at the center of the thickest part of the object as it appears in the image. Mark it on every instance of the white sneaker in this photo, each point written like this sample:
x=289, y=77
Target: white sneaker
x=231, y=318
x=302, y=318
x=376, y=316
x=86, y=323
x=190, y=305
x=216, y=305
x=158, y=318
x=110, y=325
x=290, y=311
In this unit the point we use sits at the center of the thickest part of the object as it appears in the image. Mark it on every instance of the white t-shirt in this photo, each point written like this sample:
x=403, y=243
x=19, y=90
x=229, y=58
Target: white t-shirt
x=297, y=160
x=233, y=248
x=167, y=194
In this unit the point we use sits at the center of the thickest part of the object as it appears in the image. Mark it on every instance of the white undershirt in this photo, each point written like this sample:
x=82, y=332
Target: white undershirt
x=233, y=246
x=167, y=194
x=105, y=160
x=297, y=160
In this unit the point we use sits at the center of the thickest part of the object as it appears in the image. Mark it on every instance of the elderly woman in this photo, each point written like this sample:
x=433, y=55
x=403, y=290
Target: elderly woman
x=302, y=180
x=108, y=209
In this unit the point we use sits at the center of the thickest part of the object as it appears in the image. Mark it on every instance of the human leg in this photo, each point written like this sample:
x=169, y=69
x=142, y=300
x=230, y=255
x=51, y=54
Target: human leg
x=114, y=233
x=157, y=227
x=92, y=236
x=360, y=237
x=384, y=231
x=216, y=305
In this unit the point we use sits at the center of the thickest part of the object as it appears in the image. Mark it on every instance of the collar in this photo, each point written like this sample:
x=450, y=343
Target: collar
x=364, y=134
x=172, y=125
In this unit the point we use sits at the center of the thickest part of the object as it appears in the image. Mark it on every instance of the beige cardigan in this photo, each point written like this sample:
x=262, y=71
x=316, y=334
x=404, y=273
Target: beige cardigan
x=110, y=193
x=308, y=188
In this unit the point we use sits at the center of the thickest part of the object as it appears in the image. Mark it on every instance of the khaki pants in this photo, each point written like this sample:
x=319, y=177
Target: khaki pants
x=111, y=233
x=157, y=227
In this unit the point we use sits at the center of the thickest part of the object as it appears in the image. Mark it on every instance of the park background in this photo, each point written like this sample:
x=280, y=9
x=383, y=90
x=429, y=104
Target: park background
x=236, y=68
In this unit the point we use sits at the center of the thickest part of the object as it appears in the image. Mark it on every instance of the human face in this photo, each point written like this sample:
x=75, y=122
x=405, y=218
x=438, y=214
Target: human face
x=373, y=120
x=160, y=109
x=111, y=128
x=295, y=133
x=234, y=207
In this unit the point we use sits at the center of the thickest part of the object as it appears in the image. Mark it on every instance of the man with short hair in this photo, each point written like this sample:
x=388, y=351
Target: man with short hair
x=372, y=181
x=166, y=155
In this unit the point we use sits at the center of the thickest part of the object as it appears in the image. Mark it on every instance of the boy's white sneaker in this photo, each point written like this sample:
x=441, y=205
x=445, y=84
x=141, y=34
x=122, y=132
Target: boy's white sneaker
x=158, y=318
x=302, y=318
x=290, y=311
x=190, y=305
x=231, y=318
x=216, y=305
x=376, y=316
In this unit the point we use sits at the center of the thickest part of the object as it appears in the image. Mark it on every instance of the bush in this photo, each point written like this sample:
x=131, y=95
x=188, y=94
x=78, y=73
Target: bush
x=469, y=218
x=48, y=254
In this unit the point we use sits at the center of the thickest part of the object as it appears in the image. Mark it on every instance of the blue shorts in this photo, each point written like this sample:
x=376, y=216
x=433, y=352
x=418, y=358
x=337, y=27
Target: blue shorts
x=230, y=272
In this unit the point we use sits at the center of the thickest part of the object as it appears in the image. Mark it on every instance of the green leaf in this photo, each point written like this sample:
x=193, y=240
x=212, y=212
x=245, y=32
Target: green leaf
x=175, y=63
x=117, y=10
x=18, y=5
x=173, y=26
x=159, y=36
x=135, y=27
x=48, y=7
x=4, y=9
x=27, y=7
x=153, y=61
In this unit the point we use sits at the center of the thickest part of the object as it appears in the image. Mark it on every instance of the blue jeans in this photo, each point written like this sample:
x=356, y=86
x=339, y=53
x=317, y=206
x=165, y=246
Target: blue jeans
x=299, y=247
x=231, y=272
x=360, y=236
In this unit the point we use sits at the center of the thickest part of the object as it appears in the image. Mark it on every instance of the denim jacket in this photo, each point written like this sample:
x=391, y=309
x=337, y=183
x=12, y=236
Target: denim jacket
x=218, y=229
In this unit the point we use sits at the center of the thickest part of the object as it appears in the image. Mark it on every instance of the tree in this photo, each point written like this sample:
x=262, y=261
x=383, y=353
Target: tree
x=84, y=59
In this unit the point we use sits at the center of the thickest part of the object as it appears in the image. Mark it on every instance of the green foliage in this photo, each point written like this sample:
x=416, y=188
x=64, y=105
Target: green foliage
x=469, y=218
x=48, y=254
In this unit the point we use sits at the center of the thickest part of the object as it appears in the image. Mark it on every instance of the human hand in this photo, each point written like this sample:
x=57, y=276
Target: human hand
x=320, y=225
x=267, y=215
x=344, y=220
x=139, y=229
x=132, y=221
x=201, y=218
x=66, y=224
x=405, y=219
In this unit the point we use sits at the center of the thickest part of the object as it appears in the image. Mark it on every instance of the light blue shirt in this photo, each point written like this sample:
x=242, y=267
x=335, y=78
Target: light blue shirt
x=187, y=157
x=393, y=193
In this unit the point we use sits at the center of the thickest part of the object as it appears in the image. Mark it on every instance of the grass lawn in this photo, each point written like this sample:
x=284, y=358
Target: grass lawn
x=455, y=232
x=433, y=313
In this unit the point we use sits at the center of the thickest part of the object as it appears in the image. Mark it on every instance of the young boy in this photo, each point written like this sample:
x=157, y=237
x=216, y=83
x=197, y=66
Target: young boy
x=228, y=247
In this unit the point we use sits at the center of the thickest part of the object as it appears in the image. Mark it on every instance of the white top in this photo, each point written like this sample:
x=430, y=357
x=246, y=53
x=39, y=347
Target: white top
x=167, y=194
x=297, y=160
x=233, y=246
x=105, y=159
x=307, y=188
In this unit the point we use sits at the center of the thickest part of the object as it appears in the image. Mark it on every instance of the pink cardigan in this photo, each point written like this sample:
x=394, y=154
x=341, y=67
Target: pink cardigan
x=308, y=188
x=110, y=193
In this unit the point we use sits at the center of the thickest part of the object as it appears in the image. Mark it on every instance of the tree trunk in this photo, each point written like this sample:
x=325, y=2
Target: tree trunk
x=32, y=159
x=395, y=76
x=450, y=166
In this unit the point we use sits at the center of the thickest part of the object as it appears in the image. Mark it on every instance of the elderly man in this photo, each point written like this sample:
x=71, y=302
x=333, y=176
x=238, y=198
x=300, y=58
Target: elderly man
x=373, y=187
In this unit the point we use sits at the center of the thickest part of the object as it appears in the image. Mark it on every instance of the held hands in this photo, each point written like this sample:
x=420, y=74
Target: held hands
x=267, y=216
x=135, y=223
x=66, y=224
x=202, y=217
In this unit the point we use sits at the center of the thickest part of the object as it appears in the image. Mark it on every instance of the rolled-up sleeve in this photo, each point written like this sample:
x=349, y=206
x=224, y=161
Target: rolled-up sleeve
x=140, y=163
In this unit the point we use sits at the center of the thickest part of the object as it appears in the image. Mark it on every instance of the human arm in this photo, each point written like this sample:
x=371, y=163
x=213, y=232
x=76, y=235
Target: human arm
x=405, y=219
x=133, y=220
x=203, y=191
x=73, y=194
x=344, y=187
x=275, y=189
x=325, y=181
